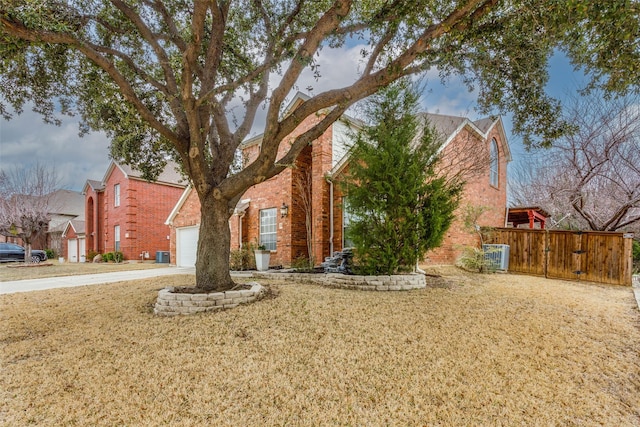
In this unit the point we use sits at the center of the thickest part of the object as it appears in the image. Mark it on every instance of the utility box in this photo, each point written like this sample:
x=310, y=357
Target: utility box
x=162, y=257
x=496, y=256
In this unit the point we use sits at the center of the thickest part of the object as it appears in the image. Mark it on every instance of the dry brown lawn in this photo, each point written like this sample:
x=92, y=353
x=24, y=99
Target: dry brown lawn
x=52, y=268
x=469, y=350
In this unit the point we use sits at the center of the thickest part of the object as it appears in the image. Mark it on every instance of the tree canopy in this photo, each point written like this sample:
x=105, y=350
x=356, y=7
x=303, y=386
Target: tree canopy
x=186, y=78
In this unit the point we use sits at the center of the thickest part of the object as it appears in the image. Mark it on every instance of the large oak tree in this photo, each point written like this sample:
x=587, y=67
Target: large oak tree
x=161, y=76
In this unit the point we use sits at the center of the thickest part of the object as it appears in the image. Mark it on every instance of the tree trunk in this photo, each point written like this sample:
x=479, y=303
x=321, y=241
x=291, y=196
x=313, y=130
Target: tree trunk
x=212, y=264
x=27, y=250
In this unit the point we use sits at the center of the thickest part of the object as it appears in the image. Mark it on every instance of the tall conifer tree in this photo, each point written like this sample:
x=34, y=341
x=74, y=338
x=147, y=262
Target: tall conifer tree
x=399, y=204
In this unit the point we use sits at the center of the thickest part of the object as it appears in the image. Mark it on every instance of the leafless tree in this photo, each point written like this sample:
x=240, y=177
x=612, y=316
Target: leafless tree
x=590, y=178
x=25, y=202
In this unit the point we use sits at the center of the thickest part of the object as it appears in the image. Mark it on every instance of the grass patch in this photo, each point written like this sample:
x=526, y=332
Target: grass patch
x=52, y=268
x=469, y=350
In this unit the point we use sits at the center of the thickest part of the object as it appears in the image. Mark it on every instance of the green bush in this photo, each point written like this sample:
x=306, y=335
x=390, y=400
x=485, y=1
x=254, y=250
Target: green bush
x=118, y=256
x=50, y=253
x=636, y=257
x=108, y=256
x=91, y=255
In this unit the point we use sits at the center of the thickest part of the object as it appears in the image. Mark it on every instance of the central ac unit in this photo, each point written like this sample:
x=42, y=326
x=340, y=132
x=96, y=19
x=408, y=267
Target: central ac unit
x=496, y=256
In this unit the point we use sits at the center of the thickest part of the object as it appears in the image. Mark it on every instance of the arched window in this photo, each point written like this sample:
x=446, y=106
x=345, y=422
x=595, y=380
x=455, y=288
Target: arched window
x=493, y=165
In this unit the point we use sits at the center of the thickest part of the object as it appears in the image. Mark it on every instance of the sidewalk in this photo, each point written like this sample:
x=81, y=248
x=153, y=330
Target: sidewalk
x=87, y=279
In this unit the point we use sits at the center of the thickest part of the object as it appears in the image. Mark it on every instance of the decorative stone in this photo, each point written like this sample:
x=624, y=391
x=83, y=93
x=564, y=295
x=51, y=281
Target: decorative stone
x=400, y=282
x=340, y=262
x=170, y=303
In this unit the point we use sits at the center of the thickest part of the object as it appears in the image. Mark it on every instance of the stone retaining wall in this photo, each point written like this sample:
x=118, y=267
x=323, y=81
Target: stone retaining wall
x=400, y=282
x=171, y=304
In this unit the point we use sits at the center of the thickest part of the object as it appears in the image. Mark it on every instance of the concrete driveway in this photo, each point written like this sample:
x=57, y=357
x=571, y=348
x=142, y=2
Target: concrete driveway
x=87, y=279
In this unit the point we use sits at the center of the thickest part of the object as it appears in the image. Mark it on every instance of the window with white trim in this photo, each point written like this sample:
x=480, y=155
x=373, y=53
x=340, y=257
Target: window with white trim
x=116, y=237
x=268, y=236
x=493, y=163
x=116, y=195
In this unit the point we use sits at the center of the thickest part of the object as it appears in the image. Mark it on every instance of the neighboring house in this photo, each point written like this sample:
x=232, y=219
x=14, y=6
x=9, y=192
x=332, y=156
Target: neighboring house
x=62, y=206
x=126, y=213
x=65, y=205
x=272, y=213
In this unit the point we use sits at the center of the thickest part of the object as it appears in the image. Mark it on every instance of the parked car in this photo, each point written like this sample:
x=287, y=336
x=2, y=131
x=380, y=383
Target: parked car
x=12, y=252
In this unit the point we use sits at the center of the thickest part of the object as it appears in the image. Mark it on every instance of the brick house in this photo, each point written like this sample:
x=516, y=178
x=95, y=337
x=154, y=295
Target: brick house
x=273, y=213
x=62, y=206
x=126, y=213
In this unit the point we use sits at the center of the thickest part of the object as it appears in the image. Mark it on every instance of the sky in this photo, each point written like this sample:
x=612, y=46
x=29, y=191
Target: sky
x=26, y=139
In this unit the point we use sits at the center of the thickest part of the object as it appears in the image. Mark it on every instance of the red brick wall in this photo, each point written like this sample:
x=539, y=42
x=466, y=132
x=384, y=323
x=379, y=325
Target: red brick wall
x=144, y=207
x=291, y=233
x=321, y=157
x=301, y=185
x=94, y=206
x=272, y=193
x=71, y=234
x=477, y=192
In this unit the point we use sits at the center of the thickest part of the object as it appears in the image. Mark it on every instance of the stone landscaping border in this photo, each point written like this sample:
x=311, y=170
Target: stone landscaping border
x=171, y=303
x=399, y=282
x=29, y=265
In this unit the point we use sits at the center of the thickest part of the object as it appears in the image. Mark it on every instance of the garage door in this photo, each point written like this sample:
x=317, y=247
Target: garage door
x=72, y=252
x=186, y=246
x=83, y=248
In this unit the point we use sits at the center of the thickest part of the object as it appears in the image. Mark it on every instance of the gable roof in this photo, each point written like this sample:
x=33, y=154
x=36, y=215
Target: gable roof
x=448, y=127
x=66, y=202
x=170, y=175
x=96, y=186
x=77, y=225
x=176, y=209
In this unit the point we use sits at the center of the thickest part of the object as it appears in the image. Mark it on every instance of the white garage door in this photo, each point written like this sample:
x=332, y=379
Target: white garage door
x=72, y=252
x=186, y=246
x=83, y=247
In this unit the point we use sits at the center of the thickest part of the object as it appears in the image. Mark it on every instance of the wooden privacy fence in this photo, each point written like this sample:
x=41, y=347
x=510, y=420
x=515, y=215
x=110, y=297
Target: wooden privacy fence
x=594, y=256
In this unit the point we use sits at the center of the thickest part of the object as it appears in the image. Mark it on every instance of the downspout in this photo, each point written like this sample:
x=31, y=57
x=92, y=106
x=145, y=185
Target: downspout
x=330, y=181
x=240, y=216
